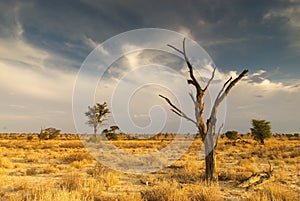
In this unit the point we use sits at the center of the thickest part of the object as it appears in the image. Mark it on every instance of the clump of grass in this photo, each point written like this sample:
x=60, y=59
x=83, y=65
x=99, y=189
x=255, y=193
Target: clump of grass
x=104, y=175
x=121, y=197
x=165, y=191
x=5, y=163
x=71, y=145
x=32, y=158
x=276, y=192
x=49, y=169
x=206, y=192
x=31, y=172
x=71, y=182
x=190, y=173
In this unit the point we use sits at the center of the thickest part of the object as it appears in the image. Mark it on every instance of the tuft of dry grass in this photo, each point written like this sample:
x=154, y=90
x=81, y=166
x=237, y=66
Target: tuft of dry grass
x=206, y=192
x=274, y=192
x=78, y=157
x=165, y=191
x=104, y=175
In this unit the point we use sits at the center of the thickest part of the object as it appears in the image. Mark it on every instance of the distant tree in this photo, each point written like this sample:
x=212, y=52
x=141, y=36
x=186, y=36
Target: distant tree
x=97, y=115
x=111, y=133
x=232, y=135
x=48, y=133
x=261, y=130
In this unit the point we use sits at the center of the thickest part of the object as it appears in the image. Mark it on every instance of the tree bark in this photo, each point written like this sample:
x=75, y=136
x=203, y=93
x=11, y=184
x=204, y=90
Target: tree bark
x=95, y=129
x=210, y=162
x=210, y=166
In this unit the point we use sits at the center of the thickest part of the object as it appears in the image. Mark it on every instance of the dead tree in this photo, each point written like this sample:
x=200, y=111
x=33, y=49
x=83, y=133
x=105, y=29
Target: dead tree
x=206, y=130
x=258, y=178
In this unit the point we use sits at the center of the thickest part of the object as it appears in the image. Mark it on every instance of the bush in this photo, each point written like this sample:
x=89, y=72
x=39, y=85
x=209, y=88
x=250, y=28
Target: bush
x=48, y=133
x=232, y=135
x=30, y=137
x=112, y=136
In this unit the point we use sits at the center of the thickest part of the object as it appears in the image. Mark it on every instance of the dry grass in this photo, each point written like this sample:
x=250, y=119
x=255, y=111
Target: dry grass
x=63, y=170
x=274, y=192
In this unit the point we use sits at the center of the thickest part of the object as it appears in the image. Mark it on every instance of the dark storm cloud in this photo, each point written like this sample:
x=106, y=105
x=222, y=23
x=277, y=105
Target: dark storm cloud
x=235, y=33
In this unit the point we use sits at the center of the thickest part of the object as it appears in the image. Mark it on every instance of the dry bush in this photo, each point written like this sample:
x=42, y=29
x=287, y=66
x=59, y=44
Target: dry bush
x=165, y=191
x=189, y=173
x=71, y=182
x=104, y=175
x=78, y=157
x=274, y=192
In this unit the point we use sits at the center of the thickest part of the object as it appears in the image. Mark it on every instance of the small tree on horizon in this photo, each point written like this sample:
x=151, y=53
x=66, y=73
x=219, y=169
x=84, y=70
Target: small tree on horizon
x=261, y=130
x=97, y=115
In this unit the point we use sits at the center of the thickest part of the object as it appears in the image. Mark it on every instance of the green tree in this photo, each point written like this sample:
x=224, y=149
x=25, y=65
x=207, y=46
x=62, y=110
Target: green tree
x=261, y=130
x=232, y=135
x=97, y=115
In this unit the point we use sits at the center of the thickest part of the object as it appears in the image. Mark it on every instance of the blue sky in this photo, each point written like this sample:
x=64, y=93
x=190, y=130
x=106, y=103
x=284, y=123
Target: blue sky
x=43, y=44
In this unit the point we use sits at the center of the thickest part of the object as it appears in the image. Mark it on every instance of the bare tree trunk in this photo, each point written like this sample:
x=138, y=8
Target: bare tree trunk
x=95, y=130
x=210, y=166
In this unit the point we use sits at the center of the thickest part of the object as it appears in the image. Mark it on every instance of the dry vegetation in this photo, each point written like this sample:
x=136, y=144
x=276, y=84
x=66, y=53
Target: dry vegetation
x=62, y=169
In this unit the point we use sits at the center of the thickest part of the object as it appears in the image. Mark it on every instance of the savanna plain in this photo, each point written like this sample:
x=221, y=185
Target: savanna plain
x=62, y=169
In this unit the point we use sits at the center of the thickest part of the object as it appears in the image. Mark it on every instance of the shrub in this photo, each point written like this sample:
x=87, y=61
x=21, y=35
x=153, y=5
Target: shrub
x=78, y=157
x=48, y=133
x=232, y=135
x=30, y=137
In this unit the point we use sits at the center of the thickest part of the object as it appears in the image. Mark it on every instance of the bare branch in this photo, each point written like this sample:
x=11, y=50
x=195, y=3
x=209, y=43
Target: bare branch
x=177, y=111
x=170, y=103
x=209, y=81
x=193, y=80
x=171, y=46
x=227, y=82
x=232, y=83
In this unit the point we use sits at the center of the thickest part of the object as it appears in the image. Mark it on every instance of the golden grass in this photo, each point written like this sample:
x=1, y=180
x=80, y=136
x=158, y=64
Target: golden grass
x=63, y=170
x=274, y=192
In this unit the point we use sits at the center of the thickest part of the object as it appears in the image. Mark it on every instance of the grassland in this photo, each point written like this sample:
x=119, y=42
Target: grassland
x=62, y=169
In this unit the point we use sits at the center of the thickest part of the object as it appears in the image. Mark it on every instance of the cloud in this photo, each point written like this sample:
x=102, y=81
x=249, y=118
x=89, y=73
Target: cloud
x=263, y=99
x=261, y=75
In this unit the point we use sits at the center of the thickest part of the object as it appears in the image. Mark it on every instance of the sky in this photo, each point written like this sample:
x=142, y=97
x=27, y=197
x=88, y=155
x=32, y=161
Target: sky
x=43, y=46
